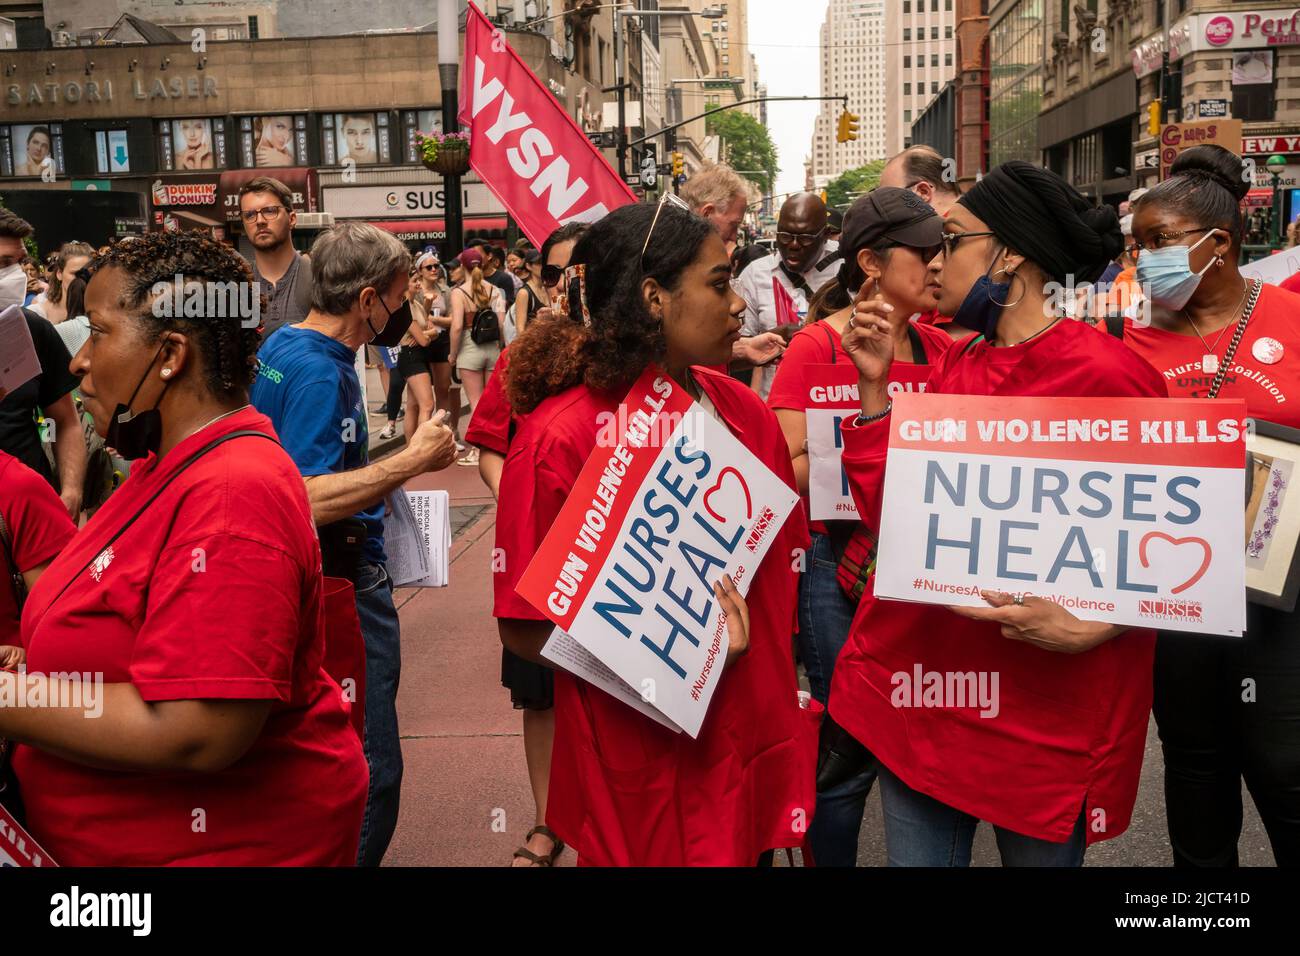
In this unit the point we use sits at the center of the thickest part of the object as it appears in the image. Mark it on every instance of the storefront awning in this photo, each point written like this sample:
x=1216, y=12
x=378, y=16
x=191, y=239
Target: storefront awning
x=1258, y=199
x=428, y=230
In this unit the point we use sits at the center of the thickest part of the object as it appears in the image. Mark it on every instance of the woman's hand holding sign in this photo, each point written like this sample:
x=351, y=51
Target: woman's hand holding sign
x=868, y=338
x=737, y=611
x=1040, y=622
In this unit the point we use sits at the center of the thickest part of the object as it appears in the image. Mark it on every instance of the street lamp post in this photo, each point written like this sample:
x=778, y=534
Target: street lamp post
x=448, y=74
x=1275, y=166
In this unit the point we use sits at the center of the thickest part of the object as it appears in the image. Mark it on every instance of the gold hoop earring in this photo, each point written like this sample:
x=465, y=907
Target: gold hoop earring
x=1013, y=277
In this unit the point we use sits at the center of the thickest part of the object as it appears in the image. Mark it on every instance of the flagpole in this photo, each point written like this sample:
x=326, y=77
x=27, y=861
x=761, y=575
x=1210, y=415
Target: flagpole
x=448, y=74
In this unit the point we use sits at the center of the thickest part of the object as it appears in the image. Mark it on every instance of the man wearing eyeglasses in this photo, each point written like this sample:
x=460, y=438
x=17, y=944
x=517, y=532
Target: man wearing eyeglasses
x=266, y=208
x=804, y=260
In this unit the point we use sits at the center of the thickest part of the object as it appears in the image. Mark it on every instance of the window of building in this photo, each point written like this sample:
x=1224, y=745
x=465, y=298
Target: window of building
x=907, y=116
x=934, y=87
x=252, y=28
x=934, y=32
x=907, y=89
x=907, y=6
x=947, y=33
x=1253, y=100
x=355, y=138
x=907, y=62
x=947, y=4
x=193, y=143
x=907, y=34
x=112, y=152
x=947, y=59
x=934, y=59
x=726, y=58
x=30, y=149
x=934, y=6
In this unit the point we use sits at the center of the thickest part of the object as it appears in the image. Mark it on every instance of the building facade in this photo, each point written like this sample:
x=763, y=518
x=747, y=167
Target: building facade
x=920, y=42
x=853, y=64
x=176, y=132
x=1017, y=51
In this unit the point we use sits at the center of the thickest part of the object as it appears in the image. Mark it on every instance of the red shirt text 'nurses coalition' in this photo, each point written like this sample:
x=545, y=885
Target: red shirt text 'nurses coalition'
x=1265, y=370
x=214, y=594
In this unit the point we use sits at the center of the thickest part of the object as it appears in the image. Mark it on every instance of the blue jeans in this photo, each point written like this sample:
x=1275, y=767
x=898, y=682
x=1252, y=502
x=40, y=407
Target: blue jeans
x=825, y=616
x=921, y=831
x=383, y=747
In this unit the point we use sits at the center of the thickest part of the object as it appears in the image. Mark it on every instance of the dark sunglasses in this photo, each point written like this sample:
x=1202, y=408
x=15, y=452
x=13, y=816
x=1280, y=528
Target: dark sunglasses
x=551, y=275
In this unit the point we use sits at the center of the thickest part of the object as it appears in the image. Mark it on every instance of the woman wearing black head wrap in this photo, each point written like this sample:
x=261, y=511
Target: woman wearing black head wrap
x=1056, y=767
x=1213, y=333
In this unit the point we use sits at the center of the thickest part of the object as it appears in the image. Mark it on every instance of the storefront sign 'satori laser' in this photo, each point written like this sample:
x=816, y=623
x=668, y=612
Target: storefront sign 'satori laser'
x=102, y=91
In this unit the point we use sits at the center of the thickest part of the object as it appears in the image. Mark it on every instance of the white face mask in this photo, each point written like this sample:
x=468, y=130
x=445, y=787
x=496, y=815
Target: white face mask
x=13, y=286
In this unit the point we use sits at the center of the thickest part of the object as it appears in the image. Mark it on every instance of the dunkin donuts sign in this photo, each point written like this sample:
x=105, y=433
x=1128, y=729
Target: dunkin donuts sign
x=184, y=194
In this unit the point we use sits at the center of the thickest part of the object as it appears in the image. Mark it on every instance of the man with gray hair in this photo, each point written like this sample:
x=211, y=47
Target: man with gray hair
x=719, y=195
x=307, y=385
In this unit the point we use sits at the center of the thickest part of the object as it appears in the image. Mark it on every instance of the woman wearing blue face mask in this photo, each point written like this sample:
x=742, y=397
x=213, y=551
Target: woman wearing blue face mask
x=1216, y=334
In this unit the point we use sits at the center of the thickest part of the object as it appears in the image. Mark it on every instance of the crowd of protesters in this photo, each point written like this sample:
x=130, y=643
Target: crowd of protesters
x=155, y=444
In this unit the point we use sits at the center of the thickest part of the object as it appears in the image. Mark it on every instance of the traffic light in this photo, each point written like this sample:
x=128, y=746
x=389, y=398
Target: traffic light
x=848, y=127
x=1153, y=118
x=679, y=165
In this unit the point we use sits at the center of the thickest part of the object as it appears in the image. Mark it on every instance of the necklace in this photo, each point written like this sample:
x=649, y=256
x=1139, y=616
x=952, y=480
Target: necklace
x=1210, y=360
x=217, y=419
x=1035, y=335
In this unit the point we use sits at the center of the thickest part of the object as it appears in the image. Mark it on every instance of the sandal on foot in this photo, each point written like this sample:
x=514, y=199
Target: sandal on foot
x=544, y=859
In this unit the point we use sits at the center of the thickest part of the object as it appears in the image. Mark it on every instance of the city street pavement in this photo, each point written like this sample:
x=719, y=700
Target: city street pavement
x=465, y=797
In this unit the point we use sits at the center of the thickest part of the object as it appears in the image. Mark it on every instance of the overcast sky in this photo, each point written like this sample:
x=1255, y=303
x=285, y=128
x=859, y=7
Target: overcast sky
x=783, y=36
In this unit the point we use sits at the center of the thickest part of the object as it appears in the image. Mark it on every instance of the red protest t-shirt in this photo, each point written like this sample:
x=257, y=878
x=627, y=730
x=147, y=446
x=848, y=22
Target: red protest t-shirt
x=1292, y=284
x=214, y=593
x=819, y=344
x=626, y=791
x=1265, y=369
x=39, y=527
x=490, y=426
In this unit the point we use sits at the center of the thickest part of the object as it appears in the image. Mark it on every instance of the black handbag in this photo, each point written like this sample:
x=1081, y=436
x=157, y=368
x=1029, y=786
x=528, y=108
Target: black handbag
x=840, y=755
x=342, y=544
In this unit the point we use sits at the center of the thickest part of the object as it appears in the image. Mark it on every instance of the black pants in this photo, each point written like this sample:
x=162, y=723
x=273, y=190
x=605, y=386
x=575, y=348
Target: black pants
x=396, y=386
x=1229, y=709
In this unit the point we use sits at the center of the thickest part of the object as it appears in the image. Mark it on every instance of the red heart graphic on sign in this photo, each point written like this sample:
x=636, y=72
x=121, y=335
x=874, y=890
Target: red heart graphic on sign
x=1176, y=542
x=722, y=476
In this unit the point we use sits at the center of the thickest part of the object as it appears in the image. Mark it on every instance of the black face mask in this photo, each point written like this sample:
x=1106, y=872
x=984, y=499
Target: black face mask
x=398, y=322
x=135, y=435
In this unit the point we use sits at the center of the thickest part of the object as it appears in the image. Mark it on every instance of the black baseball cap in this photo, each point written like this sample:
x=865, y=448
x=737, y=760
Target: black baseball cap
x=898, y=216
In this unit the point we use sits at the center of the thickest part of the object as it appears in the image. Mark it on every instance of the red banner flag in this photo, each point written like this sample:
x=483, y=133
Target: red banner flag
x=523, y=145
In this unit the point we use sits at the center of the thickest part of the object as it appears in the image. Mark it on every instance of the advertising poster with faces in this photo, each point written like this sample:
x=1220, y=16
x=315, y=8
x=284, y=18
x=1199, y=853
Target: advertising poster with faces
x=1252, y=67
x=359, y=138
x=272, y=141
x=421, y=121
x=192, y=144
x=29, y=149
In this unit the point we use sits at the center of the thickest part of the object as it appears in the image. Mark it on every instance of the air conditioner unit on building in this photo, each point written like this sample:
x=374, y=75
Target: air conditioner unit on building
x=63, y=38
x=315, y=220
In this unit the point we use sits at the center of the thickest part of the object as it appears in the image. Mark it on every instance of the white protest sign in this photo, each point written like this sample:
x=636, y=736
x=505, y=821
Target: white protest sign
x=832, y=398
x=656, y=516
x=1124, y=510
x=18, y=361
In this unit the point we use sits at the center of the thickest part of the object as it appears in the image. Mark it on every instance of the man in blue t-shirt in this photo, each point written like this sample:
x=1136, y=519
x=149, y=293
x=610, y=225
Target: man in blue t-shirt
x=307, y=385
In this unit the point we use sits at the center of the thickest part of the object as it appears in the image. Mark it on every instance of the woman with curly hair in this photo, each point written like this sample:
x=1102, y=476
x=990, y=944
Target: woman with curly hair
x=623, y=789
x=207, y=701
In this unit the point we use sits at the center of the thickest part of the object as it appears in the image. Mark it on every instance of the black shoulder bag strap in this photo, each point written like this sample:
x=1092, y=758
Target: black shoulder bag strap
x=830, y=337
x=798, y=281
x=154, y=497
x=828, y=259
x=918, y=346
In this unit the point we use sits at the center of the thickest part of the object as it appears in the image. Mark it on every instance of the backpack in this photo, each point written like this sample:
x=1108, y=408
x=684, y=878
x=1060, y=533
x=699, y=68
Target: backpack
x=486, y=327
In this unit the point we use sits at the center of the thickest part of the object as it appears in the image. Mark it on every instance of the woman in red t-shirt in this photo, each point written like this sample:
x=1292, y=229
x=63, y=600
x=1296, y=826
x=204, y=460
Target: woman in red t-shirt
x=36, y=528
x=203, y=729
x=625, y=790
x=1057, y=767
x=1215, y=334
x=890, y=235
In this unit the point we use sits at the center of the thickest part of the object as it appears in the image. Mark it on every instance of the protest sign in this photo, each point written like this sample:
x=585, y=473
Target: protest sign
x=832, y=398
x=668, y=503
x=1124, y=510
x=523, y=144
x=17, y=848
x=18, y=361
x=787, y=313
